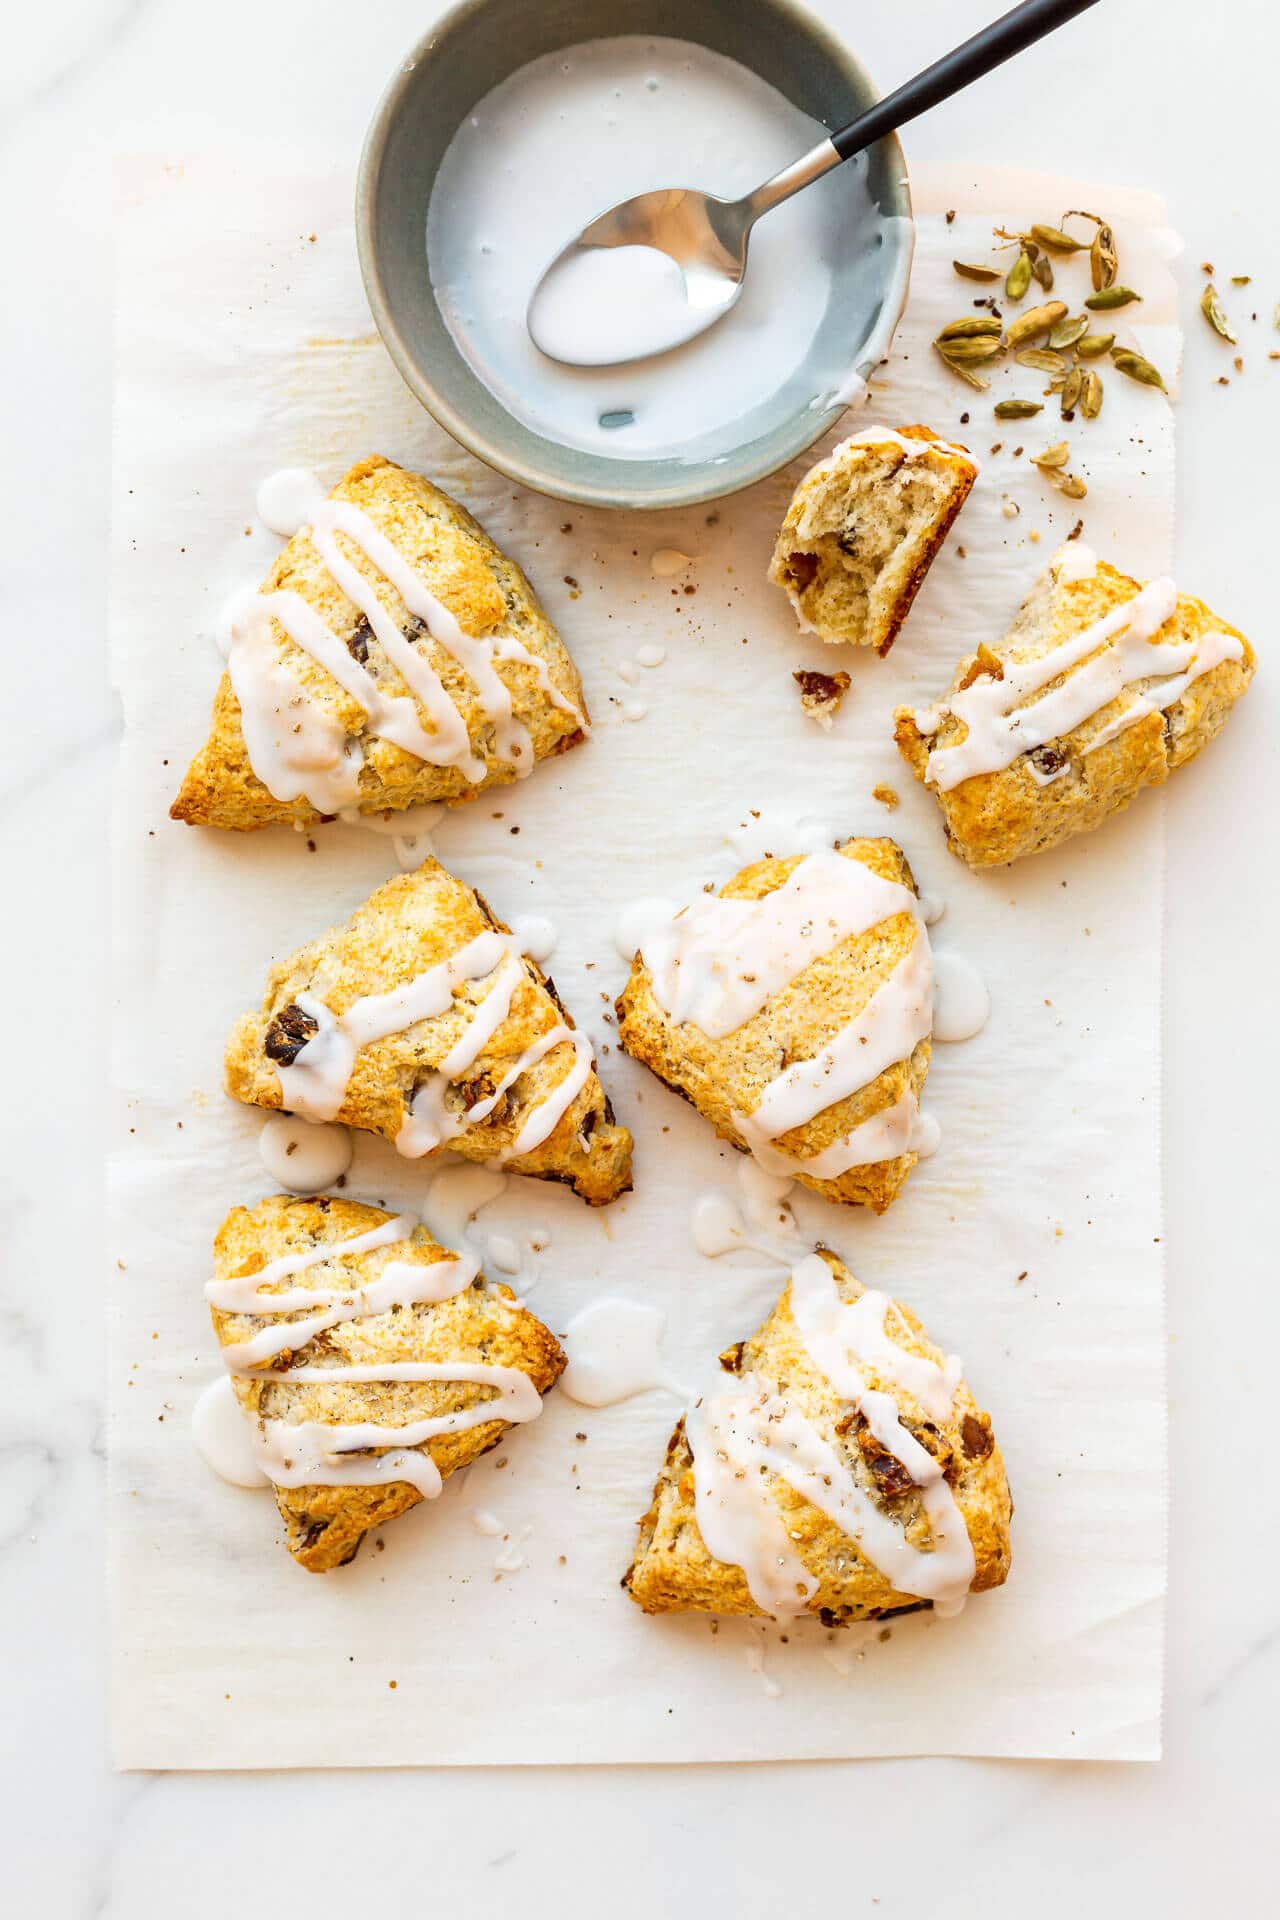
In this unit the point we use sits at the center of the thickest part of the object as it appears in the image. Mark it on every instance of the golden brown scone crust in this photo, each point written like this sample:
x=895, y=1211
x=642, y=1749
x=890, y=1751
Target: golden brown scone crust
x=673, y=1571
x=997, y=817
x=485, y=591
x=324, y=1525
x=721, y=1077
x=403, y=928
x=809, y=563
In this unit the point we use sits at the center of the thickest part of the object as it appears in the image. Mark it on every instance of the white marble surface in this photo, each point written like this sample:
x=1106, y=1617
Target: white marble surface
x=1176, y=96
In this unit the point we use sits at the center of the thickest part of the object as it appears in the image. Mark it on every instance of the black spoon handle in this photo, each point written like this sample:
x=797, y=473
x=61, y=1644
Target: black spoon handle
x=990, y=48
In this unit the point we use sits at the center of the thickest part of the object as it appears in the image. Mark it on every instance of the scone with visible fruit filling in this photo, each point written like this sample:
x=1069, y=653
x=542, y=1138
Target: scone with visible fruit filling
x=371, y=1362
x=394, y=656
x=864, y=527
x=1101, y=687
x=794, y=1010
x=842, y=1468
x=423, y=1020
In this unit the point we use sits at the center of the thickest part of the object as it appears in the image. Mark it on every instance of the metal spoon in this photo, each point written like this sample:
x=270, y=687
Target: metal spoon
x=707, y=238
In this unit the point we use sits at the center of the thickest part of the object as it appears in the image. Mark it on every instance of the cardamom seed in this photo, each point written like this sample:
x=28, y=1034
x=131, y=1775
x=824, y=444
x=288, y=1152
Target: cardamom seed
x=1035, y=321
x=1056, y=239
x=1043, y=272
x=1072, y=485
x=1041, y=359
x=1103, y=259
x=1133, y=364
x=968, y=272
x=969, y=349
x=1019, y=277
x=972, y=327
x=1216, y=314
x=1108, y=297
x=1091, y=398
x=1067, y=332
x=963, y=372
x=1072, y=387
x=1055, y=456
x=1017, y=409
x=1093, y=345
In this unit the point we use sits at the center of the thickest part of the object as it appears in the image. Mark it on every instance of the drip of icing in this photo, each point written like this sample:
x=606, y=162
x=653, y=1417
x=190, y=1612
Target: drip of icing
x=1118, y=651
x=759, y=1221
x=932, y=908
x=913, y=449
x=755, y=1664
x=615, y=1351
x=636, y=918
x=1075, y=562
x=651, y=656
x=537, y=935
x=628, y=671
x=455, y=1197
x=223, y=1435
x=718, y=962
x=286, y=500
x=666, y=562
x=635, y=710
x=961, y=1001
x=299, y=751
x=231, y=612
x=409, y=830
x=762, y=835
x=927, y=1136
x=304, y=1156
x=487, y=1523
x=504, y=1253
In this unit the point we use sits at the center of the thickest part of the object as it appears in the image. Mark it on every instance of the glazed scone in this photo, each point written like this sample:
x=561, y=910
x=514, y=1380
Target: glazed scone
x=393, y=656
x=388, y=1364
x=863, y=528
x=1101, y=687
x=843, y=1469
x=794, y=1011
x=422, y=1020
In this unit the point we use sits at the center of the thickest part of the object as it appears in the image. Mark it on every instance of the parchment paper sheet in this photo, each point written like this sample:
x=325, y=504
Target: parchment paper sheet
x=244, y=344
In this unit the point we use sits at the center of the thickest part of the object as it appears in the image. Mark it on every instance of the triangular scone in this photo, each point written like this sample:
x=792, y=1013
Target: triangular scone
x=422, y=1020
x=794, y=1010
x=863, y=528
x=379, y=1333
x=1100, y=687
x=393, y=656
x=842, y=1469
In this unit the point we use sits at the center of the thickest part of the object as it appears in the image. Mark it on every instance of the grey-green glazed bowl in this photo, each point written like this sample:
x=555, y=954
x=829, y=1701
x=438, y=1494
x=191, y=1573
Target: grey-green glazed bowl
x=477, y=45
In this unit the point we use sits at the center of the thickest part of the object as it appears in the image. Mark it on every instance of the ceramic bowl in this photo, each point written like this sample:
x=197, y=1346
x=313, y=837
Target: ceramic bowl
x=477, y=45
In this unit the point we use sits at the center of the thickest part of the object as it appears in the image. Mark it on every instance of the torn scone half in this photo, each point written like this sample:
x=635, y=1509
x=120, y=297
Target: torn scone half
x=1101, y=687
x=423, y=1020
x=842, y=1469
x=863, y=529
x=370, y=1362
x=394, y=656
x=794, y=1010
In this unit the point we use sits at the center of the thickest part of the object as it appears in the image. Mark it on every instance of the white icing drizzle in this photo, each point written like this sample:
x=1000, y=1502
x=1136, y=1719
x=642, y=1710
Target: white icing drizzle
x=537, y=935
x=409, y=829
x=1118, y=652
x=913, y=449
x=615, y=1351
x=901, y=1128
x=318, y=1452
x=455, y=1197
x=304, y=1156
x=760, y=1220
x=745, y=1432
x=300, y=752
x=666, y=562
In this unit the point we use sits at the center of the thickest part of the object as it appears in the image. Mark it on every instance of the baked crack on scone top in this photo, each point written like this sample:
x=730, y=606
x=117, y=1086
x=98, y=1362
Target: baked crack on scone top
x=842, y=1468
x=372, y=1362
x=794, y=1011
x=422, y=1019
x=394, y=656
x=1101, y=687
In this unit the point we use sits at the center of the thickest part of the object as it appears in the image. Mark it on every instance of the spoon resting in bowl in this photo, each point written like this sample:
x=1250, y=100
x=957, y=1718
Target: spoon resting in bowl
x=658, y=269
